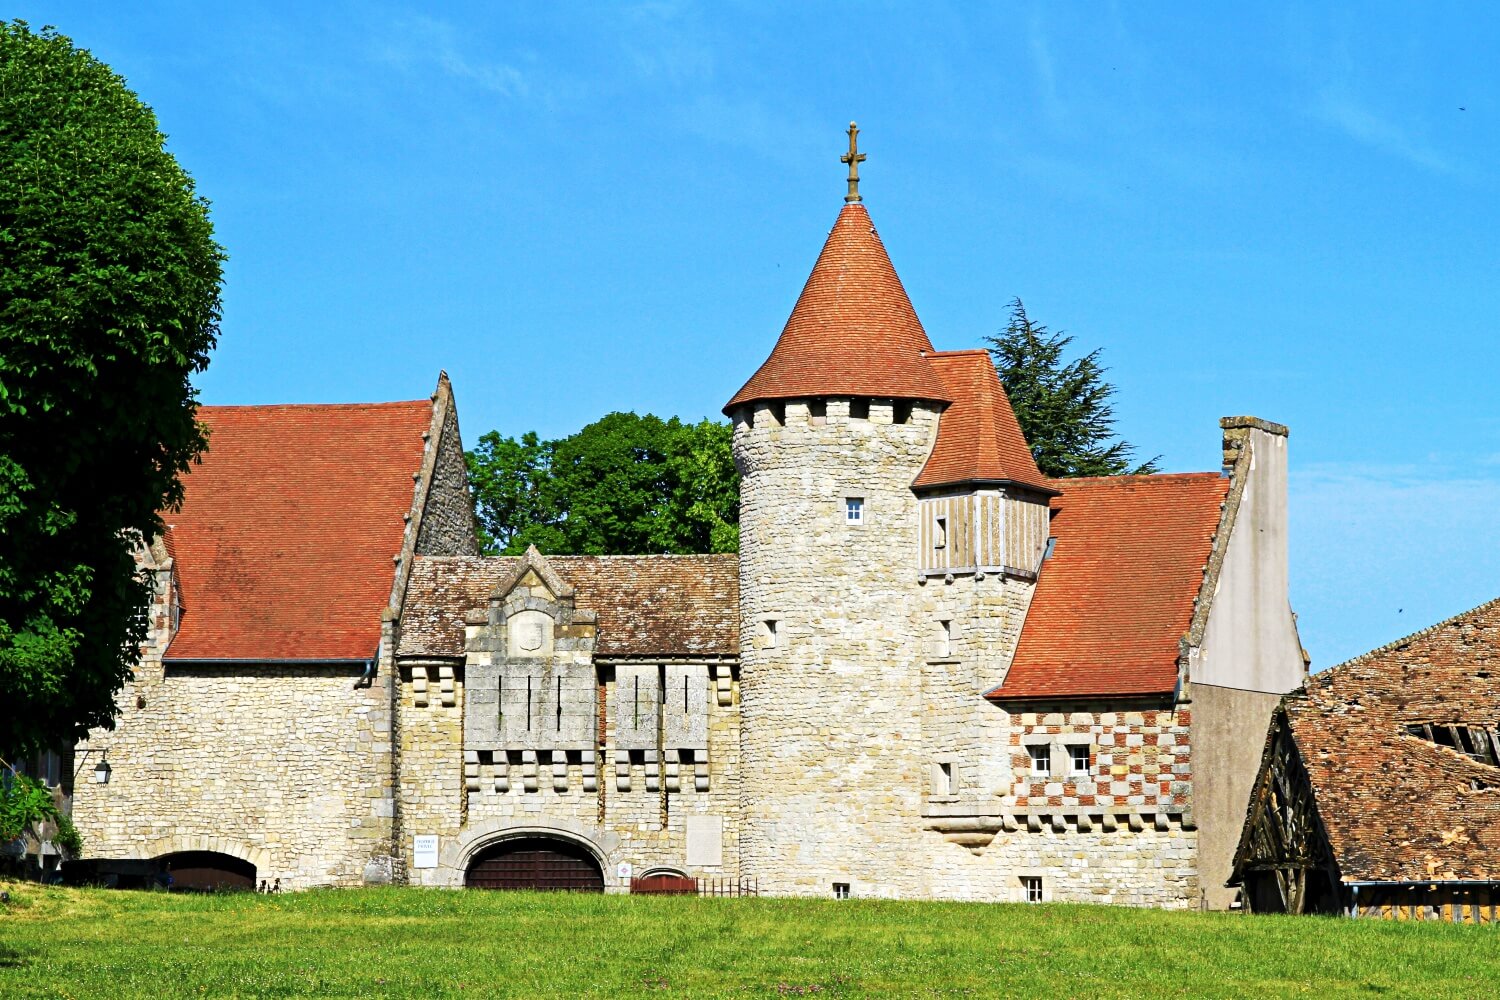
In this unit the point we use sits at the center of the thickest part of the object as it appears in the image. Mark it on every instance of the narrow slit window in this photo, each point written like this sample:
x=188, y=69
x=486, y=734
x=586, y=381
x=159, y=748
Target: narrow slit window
x=945, y=638
x=500, y=701
x=636, y=706
x=854, y=510
x=770, y=633
x=528, y=704
x=559, y=704
x=940, y=533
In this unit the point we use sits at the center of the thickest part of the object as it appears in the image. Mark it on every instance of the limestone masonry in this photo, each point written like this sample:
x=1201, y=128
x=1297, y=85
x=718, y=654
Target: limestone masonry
x=930, y=672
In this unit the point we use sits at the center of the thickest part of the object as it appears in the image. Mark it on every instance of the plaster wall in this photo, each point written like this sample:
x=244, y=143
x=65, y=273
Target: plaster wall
x=1229, y=733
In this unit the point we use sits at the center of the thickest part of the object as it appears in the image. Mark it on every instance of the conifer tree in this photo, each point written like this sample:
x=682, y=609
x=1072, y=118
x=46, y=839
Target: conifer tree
x=1063, y=406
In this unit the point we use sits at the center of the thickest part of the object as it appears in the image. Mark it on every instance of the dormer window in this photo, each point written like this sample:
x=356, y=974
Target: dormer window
x=1482, y=745
x=854, y=510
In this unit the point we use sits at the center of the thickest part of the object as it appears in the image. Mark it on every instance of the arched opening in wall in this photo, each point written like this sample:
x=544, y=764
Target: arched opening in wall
x=206, y=871
x=664, y=882
x=545, y=864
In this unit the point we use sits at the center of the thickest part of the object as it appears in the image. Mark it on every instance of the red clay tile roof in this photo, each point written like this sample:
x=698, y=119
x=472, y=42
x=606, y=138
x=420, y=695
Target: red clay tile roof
x=978, y=436
x=1116, y=595
x=1396, y=807
x=853, y=331
x=284, y=544
x=647, y=605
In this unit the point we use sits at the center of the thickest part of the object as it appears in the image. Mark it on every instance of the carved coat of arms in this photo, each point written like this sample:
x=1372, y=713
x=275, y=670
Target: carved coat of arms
x=532, y=635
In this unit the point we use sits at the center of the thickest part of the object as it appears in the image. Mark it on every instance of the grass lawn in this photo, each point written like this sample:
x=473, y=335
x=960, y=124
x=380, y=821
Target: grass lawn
x=430, y=943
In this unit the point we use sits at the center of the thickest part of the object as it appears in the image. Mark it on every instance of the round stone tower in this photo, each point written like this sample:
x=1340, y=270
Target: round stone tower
x=829, y=436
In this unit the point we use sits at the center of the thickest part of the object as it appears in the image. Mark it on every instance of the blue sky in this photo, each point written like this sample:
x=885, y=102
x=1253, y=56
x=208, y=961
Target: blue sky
x=1289, y=211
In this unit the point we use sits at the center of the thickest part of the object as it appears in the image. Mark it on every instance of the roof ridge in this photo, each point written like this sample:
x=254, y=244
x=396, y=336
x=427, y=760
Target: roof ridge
x=1136, y=477
x=1388, y=647
x=220, y=407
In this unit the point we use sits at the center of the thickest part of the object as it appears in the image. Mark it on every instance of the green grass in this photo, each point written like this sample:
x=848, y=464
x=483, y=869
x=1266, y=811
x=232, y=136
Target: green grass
x=428, y=943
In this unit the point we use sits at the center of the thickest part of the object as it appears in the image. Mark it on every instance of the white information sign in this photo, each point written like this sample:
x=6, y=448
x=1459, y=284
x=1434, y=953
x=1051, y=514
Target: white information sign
x=424, y=851
x=623, y=872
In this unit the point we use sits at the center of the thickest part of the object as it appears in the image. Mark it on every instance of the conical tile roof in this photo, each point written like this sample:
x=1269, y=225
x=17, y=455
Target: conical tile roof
x=853, y=331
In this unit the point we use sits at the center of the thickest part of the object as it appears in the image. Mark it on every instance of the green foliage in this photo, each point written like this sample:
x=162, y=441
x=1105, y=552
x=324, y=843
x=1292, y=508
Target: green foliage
x=26, y=804
x=109, y=301
x=427, y=943
x=1063, y=406
x=625, y=484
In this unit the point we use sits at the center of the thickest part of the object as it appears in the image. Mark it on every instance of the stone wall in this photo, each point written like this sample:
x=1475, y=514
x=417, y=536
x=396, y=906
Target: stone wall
x=1151, y=866
x=643, y=824
x=1122, y=832
x=447, y=515
x=834, y=765
x=271, y=764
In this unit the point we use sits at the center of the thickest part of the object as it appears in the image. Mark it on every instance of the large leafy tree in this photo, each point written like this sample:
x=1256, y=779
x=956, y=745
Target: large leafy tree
x=624, y=484
x=109, y=301
x=1063, y=406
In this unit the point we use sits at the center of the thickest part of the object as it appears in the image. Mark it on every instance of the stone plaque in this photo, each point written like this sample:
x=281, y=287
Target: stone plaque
x=705, y=841
x=424, y=851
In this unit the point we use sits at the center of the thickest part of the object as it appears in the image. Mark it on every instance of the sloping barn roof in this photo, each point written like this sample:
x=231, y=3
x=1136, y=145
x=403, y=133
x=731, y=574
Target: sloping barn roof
x=1116, y=595
x=647, y=605
x=284, y=544
x=1398, y=806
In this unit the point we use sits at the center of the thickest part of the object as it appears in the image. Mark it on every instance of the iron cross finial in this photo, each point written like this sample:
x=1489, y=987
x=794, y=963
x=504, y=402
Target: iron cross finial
x=854, y=158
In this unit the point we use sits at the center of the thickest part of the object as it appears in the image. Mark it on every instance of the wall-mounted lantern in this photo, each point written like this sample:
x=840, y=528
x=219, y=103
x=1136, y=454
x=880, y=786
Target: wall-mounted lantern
x=101, y=772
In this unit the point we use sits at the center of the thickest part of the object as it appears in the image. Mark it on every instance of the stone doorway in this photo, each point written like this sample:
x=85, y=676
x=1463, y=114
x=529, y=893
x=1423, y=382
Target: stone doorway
x=539, y=863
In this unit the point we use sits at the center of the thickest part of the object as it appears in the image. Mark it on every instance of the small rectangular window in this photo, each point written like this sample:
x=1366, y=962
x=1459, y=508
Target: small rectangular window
x=1041, y=761
x=1031, y=885
x=945, y=639
x=778, y=414
x=859, y=409
x=770, y=633
x=900, y=412
x=841, y=890
x=1078, y=759
x=817, y=411
x=854, y=510
x=947, y=778
x=940, y=533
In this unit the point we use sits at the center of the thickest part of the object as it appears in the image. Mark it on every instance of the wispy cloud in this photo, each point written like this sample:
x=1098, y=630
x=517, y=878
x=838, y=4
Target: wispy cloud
x=1046, y=73
x=425, y=43
x=1335, y=106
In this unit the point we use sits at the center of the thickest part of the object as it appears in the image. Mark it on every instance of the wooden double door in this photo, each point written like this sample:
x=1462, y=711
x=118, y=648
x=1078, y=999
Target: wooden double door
x=536, y=863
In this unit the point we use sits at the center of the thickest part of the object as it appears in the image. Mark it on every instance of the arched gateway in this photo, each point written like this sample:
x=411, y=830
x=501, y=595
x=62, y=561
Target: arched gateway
x=207, y=871
x=547, y=864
